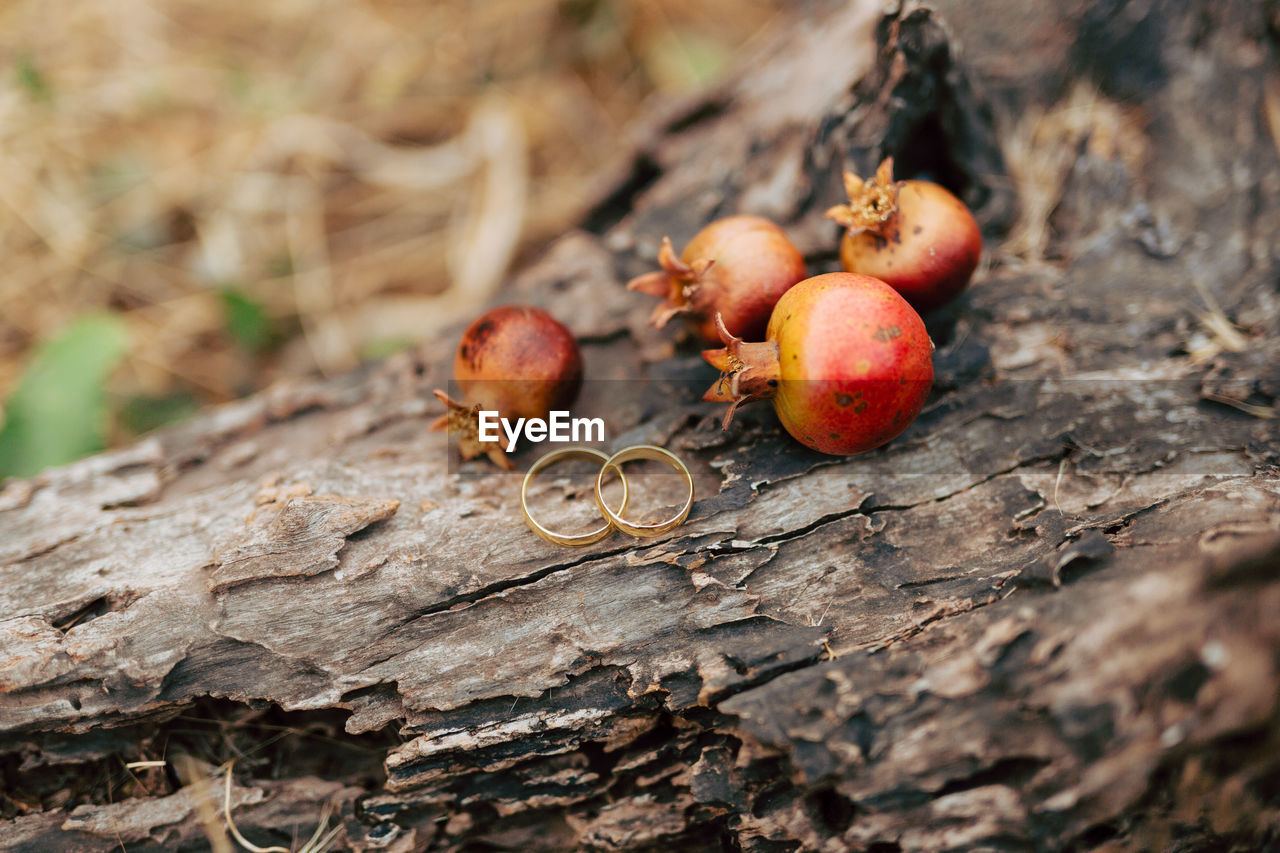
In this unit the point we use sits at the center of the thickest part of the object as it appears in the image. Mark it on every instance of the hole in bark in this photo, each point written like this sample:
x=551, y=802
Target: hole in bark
x=98, y=607
x=1014, y=656
x=1014, y=772
x=87, y=613
x=658, y=746
x=374, y=691
x=383, y=830
x=1113, y=529
x=683, y=683
x=1186, y=682
x=1078, y=568
x=833, y=809
x=773, y=797
x=738, y=666
x=860, y=729
x=928, y=582
x=922, y=158
x=62, y=771
x=696, y=116
x=644, y=171
x=284, y=744
x=1099, y=833
x=1267, y=786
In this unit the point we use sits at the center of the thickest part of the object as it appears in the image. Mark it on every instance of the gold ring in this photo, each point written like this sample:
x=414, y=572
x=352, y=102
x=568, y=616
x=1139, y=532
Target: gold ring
x=578, y=538
x=644, y=451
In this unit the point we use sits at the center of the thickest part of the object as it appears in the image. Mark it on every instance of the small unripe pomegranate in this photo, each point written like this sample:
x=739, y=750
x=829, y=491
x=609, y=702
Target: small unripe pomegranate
x=913, y=235
x=515, y=360
x=736, y=267
x=846, y=361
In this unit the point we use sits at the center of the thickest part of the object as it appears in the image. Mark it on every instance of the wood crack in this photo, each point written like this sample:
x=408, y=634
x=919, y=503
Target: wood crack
x=484, y=592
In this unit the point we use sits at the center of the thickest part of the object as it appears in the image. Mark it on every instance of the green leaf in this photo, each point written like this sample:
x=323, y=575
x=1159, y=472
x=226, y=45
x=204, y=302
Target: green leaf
x=59, y=410
x=144, y=413
x=32, y=79
x=380, y=348
x=247, y=320
x=678, y=60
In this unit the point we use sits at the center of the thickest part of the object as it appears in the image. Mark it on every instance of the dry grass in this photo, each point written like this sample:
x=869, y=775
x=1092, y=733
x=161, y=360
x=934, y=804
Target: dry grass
x=1043, y=146
x=363, y=170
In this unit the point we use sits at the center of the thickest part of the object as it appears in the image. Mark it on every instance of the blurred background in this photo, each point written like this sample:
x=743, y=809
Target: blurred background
x=199, y=198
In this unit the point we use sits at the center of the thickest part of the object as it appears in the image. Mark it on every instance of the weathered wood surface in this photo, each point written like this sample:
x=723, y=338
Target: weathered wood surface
x=1047, y=617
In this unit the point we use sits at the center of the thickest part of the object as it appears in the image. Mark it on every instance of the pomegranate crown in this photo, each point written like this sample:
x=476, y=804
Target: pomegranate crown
x=748, y=371
x=463, y=422
x=872, y=203
x=676, y=283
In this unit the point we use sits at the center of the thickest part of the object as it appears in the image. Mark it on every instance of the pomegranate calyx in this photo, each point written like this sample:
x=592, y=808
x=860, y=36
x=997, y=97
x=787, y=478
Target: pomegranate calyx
x=666, y=283
x=690, y=283
x=748, y=371
x=677, y=284
x=664, y=311
x=463, y=422
x=872, y=203
x=654, y=283
x=670, y=261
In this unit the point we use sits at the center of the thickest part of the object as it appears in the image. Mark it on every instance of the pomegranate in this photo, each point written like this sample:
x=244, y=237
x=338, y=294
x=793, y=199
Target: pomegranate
x=846, y=362
x=736, y=267
x=515, y=360
x=913, y=235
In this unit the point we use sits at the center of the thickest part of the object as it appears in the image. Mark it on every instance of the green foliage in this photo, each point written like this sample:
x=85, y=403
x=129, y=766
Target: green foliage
x=116, y=175
x=144, y=413
x=380, y=348
x=247, y=320
x=31, y=79
x=680, y=60
x=59, y=410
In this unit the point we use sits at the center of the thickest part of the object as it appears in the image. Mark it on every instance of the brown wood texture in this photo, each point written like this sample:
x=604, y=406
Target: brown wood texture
x=1046, y=617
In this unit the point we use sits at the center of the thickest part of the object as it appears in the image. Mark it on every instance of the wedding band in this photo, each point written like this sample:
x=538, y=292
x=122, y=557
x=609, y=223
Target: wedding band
x=643, y=451
x=576, y=539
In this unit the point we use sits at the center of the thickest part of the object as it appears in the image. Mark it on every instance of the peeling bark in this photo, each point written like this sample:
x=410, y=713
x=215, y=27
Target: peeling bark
x=1044, y=618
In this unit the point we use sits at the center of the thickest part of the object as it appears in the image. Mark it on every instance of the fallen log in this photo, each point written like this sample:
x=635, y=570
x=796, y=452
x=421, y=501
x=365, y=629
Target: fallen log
x=1044, y=618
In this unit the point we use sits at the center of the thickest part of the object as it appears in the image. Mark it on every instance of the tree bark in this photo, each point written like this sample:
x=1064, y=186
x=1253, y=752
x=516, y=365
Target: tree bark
x=1046, y=617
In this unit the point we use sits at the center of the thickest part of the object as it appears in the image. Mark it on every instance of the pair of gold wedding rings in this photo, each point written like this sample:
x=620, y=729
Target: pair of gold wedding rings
x=613, y=518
